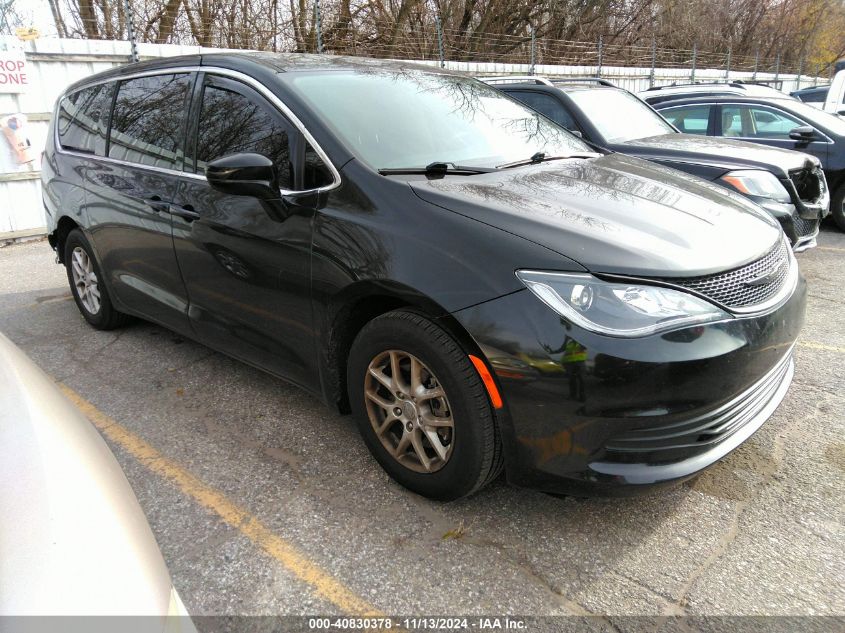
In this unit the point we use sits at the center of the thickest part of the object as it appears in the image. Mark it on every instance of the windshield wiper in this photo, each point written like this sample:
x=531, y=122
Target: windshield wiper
x=540, y=157
x=437, y=168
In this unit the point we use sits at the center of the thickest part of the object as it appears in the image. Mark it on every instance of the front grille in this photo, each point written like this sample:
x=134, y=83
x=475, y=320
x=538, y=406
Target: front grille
x=809, y=183
x=732, y=288
x=804, y=227
x=711, y=428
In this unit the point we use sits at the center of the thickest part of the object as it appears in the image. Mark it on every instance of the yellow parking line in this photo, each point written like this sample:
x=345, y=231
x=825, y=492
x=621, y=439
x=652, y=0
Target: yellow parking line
x=831, y=248
x=321, y=582
x=821, y=346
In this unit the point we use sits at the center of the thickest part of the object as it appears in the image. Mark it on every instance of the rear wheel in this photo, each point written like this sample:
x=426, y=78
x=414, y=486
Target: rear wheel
x=421, y=407
x=88, y=291
x=837, y=207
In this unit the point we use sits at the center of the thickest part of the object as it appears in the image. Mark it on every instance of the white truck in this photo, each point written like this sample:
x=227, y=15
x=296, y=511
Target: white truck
x=835, y=100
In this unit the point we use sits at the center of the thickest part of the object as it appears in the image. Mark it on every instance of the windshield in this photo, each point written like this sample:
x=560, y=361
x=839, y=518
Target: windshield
x=409, y=118
x=815, y=116
x=619, y=116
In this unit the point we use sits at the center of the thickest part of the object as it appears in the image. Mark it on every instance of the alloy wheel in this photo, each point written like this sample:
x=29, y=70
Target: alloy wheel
x=85, y=280
x=409, y=411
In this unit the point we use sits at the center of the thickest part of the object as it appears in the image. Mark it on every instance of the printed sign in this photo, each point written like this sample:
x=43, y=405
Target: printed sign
x=13, y=72
x=14, y=129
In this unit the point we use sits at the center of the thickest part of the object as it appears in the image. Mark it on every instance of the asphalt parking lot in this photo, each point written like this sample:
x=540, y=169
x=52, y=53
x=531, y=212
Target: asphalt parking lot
x=265, y=502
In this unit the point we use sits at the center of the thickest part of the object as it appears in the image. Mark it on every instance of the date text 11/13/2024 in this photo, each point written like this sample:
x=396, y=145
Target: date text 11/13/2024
x=419, y=624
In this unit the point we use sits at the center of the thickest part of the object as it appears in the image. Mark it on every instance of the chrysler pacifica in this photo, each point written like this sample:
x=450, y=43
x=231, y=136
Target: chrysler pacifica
x=480, y=288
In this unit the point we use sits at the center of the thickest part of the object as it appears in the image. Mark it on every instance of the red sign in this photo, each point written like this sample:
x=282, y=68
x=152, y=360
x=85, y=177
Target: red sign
x=13, y=72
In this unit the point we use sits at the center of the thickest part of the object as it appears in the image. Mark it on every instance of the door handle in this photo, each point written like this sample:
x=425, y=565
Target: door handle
x=185, y=212
x=157, y=204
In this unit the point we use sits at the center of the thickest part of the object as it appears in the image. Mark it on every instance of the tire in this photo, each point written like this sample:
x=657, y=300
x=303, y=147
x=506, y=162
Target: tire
x=470, y=451
x=102, y=314
x=837, y=207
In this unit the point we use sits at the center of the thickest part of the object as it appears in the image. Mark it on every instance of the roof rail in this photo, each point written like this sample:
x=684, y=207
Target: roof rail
x=546, y=81
x=572, y=80
x=516, y=79
x=738, y=84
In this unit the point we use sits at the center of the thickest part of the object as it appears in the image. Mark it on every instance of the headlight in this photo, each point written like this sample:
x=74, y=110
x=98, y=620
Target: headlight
x=618, y=309
x=758, y=183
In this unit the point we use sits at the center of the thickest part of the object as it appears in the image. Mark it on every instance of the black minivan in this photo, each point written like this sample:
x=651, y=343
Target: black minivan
x=478, y=286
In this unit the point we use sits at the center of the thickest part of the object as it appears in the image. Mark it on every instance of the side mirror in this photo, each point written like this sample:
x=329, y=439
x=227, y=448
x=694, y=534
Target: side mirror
x=577, y=133
x=802, y=133
x=244, y=175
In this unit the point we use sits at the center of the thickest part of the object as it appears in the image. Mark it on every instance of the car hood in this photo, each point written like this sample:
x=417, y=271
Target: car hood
x=74, y=540
x=728, y=153
x=614, y=214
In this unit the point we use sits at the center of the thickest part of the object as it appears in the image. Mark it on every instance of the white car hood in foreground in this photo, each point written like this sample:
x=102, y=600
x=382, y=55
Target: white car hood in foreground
x=73, y=538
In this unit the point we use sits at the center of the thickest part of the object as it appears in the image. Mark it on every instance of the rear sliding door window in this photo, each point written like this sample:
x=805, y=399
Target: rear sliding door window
x=148, y=121
x=83, y=120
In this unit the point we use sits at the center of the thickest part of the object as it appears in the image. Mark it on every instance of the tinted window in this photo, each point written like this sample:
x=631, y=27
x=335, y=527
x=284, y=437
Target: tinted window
x=757, y=122
x=315, y=174
x=147, y=124
x=690, y=120
x=232, y=123
x=548, y=106
x=84, y=118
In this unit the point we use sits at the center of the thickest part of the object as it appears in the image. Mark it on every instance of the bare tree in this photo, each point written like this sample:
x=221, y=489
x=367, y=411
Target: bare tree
x=566, y=30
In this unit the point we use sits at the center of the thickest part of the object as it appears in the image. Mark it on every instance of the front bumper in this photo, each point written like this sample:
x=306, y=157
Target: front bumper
x=591, y=414
x=810, y=198
x=801, y=225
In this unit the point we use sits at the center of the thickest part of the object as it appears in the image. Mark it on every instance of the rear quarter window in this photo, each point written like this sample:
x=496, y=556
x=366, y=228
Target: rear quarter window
x=83, y=119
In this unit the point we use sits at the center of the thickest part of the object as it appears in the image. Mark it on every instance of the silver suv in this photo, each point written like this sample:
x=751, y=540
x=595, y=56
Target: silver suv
x=658, y=94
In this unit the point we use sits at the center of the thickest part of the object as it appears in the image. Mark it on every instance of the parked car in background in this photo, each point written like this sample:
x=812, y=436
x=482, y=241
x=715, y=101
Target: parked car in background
x=642, y=320
x=789, y=185
x=74, y=540
x=658, y=94
x=814, y=96
x=784, y=122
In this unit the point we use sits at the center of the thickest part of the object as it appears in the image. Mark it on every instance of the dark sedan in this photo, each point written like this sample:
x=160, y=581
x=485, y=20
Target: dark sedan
x=783, y=123
x=477, y=285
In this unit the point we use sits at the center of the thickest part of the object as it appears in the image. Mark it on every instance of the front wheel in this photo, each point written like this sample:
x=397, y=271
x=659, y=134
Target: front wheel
x=421, y=407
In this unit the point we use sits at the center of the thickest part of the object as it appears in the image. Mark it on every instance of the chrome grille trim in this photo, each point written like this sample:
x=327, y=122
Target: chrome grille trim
x=730, y=290
x=804, y=227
